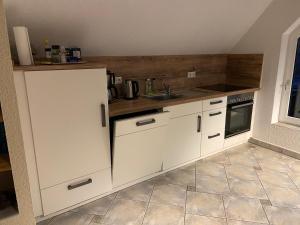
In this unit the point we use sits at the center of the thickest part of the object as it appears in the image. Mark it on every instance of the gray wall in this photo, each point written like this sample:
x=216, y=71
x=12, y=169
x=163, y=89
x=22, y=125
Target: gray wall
x=265, y=37
x=137, y=27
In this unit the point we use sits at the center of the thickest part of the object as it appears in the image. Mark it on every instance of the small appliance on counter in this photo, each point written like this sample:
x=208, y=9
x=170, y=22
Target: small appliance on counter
x=111, y=87
x=131, y=89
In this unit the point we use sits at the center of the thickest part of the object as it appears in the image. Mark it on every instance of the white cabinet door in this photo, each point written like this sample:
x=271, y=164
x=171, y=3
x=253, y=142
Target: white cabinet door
x=139, y=154
x=183, y=140
x=71, y=136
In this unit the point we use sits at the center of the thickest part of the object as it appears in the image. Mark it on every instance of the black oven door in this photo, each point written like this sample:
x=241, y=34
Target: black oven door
x=238, y=118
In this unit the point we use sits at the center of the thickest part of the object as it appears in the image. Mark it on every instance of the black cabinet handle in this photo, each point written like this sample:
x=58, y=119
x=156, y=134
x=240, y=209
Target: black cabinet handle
x=199, y=124
x=214, y=136
x=216, y=102
x=103, y=115
x=215, y=114
x=145, y=122
x=86, y=182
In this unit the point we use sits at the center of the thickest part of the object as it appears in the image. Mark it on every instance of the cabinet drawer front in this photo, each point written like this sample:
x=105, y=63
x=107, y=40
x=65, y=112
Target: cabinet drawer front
x=213, y=120
x=184, y=109
x=212, y=142
x=73, y=192
x=140, y=123
x=214, y=103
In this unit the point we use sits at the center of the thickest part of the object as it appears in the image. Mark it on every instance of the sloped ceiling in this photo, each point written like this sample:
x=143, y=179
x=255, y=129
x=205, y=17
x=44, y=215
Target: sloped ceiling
x=137, y=27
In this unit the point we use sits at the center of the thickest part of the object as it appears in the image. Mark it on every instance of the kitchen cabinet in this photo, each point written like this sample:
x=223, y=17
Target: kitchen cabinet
x=183, y=141
x=213, y=123
x=139, y=144
x=70, y=129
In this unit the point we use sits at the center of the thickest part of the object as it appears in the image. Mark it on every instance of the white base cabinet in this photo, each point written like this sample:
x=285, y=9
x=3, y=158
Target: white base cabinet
x=183, y=140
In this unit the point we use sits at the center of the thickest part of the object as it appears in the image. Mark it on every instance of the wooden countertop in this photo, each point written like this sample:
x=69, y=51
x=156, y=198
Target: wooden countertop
x=39, y=67
x=122, y=106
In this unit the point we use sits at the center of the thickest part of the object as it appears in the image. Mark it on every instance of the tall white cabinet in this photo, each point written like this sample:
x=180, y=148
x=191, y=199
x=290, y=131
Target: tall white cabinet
x=68, y=112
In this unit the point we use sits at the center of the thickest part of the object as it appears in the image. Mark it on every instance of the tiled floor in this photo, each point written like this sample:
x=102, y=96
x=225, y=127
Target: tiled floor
x=246, y=185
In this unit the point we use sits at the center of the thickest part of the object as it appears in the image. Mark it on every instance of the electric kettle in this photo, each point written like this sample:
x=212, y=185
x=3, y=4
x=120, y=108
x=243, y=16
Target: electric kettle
x=131, y=89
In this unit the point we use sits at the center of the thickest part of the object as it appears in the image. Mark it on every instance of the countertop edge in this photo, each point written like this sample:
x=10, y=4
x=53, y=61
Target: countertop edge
x=114, y=111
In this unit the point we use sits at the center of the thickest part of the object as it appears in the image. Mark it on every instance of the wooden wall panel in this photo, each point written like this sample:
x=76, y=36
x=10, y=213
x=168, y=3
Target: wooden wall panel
x=244, y=70
x=172, y=70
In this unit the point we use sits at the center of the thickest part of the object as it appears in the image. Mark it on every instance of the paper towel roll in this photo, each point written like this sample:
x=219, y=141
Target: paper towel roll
x=23, y=45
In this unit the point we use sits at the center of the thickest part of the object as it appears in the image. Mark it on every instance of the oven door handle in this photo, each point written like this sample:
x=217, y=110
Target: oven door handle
x=241, y=106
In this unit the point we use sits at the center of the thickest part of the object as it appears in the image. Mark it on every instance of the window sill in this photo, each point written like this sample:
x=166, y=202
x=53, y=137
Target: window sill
x=287, y=125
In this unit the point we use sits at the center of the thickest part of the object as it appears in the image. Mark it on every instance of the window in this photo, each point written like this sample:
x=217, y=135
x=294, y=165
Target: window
x=290, y=105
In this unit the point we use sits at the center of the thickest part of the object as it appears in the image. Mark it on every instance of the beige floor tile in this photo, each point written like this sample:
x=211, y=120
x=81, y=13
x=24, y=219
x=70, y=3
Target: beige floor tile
x=283, y=216
x=295, y=166
x=205, y=204
x=72, y=218
x=245, y=209
x=139, y=192
x=160, y=180
x=160, y=214
x=125, y=212
x=210, y=169
x=263, y=153
x=251, y=189
x=203, y=220
x=182, y=177
x=241, y=172
x=45, y=222
x=169, y=194
x=97, y=220
x=221, y=158
x=295, y=178
x=236, y=222
x=244, y=158
x=272, y=178
x=283, y=197
x=275, y=165
x=208, y=184
x=98, y=207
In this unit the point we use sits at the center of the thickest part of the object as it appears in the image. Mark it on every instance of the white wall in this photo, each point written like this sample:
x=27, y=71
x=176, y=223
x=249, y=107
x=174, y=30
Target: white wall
x=265, y=37
x=137, y=27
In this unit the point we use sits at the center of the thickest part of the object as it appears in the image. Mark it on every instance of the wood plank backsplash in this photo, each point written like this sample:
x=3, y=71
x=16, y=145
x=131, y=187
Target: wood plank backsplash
x=244, y=70
x=211, y=69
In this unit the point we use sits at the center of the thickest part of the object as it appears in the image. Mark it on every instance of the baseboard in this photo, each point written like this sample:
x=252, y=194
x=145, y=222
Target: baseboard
x=275, y=148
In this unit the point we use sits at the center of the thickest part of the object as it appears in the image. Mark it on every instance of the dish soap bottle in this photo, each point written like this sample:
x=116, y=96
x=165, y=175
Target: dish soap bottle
x=47, y=51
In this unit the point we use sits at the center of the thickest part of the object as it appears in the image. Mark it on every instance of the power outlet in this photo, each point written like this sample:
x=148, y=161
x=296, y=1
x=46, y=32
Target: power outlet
x=118, y=80
x=191, y=74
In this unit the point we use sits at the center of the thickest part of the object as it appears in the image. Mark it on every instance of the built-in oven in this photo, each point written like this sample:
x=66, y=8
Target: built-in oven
x=239, y=114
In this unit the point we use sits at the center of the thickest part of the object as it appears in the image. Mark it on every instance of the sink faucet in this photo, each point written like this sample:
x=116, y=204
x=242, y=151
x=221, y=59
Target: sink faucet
x=167, y=89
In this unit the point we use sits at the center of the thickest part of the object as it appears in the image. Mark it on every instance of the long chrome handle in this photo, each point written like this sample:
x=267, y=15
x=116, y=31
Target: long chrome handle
x=145, y=122
x=86, y=182
x=215, y=114
x=199, y=124
x=103, y=115
x=216, y=102
x=214, y=136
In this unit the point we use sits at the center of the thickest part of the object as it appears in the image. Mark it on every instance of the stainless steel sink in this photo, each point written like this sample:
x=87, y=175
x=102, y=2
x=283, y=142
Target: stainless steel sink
x=164, y=96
